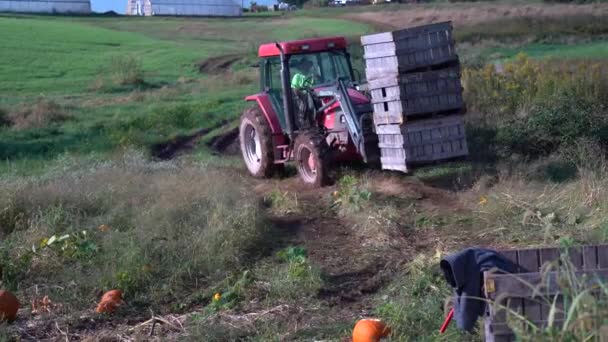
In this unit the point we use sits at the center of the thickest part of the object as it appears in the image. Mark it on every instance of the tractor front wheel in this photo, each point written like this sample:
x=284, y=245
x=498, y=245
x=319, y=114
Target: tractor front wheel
x=312, y=156
x=256, y=143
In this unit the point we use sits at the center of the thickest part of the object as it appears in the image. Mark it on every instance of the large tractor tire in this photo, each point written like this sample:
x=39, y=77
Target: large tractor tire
x=312, y=158
x=256, y=143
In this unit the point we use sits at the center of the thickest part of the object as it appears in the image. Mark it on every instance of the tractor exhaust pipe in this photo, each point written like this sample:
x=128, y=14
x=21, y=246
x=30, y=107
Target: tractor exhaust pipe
x=287, y=99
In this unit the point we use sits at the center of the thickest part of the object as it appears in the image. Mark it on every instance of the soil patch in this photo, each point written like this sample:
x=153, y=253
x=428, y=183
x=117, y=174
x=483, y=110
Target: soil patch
x=226, y=143
x=172, y=148
x=219, y=64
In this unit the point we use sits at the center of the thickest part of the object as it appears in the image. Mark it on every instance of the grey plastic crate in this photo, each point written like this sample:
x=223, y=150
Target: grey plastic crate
x=408, y=49
x=422, y=141
x=397, y=97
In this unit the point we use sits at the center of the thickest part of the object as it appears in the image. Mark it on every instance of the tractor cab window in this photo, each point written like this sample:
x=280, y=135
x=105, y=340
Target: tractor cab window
x=271, y=84
x=321, y=68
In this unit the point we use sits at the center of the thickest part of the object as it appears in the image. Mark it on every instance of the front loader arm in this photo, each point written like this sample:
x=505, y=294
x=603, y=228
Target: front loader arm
x=365, y=142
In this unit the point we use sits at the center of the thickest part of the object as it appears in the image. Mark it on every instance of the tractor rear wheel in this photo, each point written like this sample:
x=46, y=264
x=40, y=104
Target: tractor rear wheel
x=312, y=158
x=256, y=143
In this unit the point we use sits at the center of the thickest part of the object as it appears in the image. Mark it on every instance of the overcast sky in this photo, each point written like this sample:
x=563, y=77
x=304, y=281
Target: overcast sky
x=119, y=6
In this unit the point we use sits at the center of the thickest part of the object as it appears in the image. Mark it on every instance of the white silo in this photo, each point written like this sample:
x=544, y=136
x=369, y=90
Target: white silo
x=46, y=6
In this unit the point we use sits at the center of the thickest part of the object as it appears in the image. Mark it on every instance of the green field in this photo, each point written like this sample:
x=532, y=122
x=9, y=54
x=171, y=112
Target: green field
x=62, y=59
x=88, y=205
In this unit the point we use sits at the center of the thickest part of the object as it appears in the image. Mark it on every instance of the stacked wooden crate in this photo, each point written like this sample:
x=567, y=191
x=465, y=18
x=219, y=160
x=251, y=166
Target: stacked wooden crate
x=414, y=81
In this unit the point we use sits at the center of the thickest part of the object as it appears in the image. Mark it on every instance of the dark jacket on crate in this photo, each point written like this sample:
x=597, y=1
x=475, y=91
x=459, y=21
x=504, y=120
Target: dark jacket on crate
x=464, y=272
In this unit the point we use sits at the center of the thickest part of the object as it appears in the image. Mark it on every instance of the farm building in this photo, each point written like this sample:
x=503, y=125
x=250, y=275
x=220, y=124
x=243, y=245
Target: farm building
x=46, y=6
x=221, y=8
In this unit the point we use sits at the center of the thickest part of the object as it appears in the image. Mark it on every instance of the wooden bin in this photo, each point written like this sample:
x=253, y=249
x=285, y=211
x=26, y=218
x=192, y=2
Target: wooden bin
x=396, y=97
x=590, y=262
x=421, y=141
x=409, y=49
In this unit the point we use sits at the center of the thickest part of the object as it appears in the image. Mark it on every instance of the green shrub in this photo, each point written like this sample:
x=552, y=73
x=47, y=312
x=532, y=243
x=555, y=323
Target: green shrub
x=558, y=121
x=534, y=108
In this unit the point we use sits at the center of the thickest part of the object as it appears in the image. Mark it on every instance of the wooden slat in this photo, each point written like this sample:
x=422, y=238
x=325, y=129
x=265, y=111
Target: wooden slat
x=590, y=258
x=548, y=255
x=529, y=262
x=602, y=256
x=511, y=256
x=514, y=304
x=510, y=285
x=502, y=329
x=575, y=255
x=549, y=259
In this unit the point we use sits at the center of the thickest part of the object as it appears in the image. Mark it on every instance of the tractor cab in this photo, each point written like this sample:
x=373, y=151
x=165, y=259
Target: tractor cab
x=320, y=62
x=307, y=111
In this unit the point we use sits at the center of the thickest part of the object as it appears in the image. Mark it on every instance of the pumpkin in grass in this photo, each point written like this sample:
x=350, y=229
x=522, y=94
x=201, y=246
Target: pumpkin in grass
x=110, y=301
x=370, y=330
x=115, y=295
x=9, y=305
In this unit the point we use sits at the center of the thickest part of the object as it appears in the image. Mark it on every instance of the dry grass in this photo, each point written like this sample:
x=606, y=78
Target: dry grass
x=228, y=79
x=477, y=14
x=161, y=232
x=522, y=211
x=39, y=114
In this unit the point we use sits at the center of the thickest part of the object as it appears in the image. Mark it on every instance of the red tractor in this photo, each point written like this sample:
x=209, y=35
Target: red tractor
x=323, y=120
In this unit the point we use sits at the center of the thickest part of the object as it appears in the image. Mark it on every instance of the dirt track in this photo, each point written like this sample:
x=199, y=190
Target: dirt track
x=420, y=15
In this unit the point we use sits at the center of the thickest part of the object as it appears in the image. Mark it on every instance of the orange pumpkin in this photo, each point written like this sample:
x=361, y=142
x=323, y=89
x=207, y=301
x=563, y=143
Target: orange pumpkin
x=108, y=306
x=115, y=295
x=110, y=301
x=9, y=305
x=370, y=330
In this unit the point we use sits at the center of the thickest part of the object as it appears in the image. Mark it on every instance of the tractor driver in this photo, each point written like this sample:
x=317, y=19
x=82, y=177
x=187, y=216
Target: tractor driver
x=303, y=77
x=304, y=100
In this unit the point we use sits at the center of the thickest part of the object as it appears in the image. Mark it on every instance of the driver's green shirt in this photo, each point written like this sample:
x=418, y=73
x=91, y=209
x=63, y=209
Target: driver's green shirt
x=299, y=81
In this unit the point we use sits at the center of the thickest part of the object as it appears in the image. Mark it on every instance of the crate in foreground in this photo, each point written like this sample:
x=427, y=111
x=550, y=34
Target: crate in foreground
x=521, y=291
x=406, y=50
x=396, y=97
x=421, y=141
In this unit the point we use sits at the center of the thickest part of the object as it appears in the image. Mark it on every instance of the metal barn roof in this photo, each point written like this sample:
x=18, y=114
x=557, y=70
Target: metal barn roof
x=222, y=8
x=46, y=6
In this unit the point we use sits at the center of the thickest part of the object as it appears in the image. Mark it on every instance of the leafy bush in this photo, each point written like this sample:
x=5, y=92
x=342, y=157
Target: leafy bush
x=534, y=108
x=559, y=121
